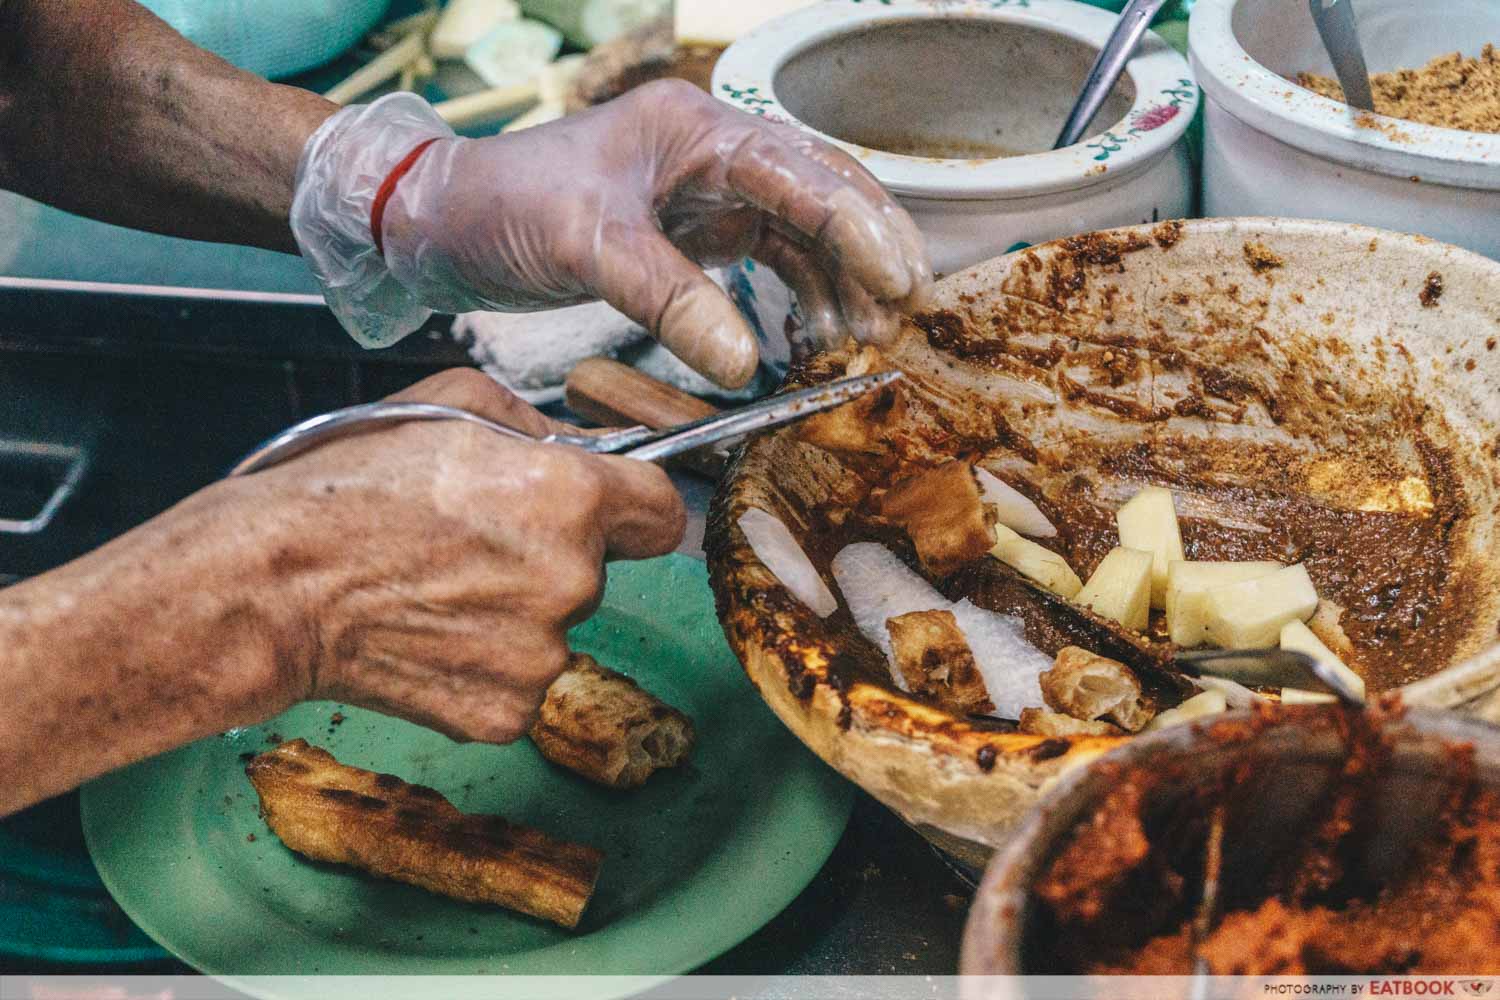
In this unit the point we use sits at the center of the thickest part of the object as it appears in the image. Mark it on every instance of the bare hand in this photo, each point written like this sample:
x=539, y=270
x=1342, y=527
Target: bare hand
x=438, y=566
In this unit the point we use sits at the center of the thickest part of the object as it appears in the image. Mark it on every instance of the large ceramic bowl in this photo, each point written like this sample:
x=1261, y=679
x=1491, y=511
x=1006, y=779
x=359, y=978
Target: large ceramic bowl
x=1274, y=148
x=1324, y=342
x=1295, y=764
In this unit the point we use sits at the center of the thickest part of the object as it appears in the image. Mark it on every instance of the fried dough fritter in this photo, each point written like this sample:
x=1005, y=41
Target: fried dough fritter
x=604, y=726
x=380, y=824
x=944, y=515
x=934, y=656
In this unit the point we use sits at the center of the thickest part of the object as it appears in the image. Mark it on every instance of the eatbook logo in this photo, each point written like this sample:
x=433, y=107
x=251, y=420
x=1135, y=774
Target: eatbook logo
x=1477, y=987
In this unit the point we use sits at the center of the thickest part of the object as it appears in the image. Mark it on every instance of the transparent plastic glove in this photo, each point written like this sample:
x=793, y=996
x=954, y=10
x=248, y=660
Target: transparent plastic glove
x=626, y=202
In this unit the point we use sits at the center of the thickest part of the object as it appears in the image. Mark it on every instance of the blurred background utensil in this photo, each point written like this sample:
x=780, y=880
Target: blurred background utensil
x=1340, y=34
x=1208, y=902
x=1110, y=63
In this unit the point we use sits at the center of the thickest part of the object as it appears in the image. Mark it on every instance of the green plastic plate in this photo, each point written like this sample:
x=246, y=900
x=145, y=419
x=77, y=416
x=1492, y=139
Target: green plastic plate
x=697, y=860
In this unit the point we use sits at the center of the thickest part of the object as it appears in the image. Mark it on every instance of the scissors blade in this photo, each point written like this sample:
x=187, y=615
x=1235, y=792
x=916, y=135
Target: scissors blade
x=763, y=415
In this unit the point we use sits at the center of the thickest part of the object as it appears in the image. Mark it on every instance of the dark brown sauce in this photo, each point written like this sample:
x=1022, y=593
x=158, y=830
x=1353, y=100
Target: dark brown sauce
x=1405, y=609
x=1390, y=571
x=1318, y=907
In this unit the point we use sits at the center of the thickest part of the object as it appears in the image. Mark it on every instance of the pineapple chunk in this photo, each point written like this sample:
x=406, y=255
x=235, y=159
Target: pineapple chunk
x=1196, y=707
x=1249, y=615
x=1149, y=522
x=1297, y=696
x=1188, y=584
x=1035, y=562
x=1120, y=589
x=1298, y=637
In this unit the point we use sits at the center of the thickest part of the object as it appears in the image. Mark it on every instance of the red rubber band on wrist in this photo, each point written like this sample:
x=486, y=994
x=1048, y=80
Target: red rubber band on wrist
x=388, y=187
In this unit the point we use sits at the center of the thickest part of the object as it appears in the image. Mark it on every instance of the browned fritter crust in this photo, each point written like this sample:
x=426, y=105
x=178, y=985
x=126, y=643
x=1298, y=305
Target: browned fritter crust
x=1040, y=722
x=944, y=516
x=860, y=426
x=934, y=657
x=378, y=823
x=1088, y=686
x=607, y=728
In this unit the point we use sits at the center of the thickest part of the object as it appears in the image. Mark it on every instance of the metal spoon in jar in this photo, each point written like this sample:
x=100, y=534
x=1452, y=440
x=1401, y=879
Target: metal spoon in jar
x=1110, y=63
x=1340, y=34
x=1259, y=659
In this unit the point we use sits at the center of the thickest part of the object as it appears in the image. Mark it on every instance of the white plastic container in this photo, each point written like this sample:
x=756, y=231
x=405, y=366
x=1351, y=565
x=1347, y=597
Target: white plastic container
x=1274, y=148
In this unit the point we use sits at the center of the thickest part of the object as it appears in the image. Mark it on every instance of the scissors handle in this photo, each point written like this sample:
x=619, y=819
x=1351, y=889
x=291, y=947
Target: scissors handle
x=632, y=442
x=353, y=420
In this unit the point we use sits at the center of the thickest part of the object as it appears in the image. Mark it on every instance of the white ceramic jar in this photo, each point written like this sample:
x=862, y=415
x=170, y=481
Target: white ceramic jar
x=1274, y=148
x=929, y=93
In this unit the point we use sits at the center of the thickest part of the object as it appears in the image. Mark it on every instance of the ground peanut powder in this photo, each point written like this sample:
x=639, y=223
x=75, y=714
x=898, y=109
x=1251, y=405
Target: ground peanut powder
x=1451, y=91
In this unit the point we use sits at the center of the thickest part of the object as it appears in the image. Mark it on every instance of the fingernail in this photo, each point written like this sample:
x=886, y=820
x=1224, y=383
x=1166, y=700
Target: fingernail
x=822, y=318
x=921, y=295
x=861, y=229
x=708, y=335
x=869, y=321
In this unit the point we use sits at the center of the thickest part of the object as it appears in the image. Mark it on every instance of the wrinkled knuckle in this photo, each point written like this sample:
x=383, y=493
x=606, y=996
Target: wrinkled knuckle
x=471, y=388
x=575, y=585
x=556, y=467
x=544, y=666
x=505, y=728
x=671, y=91
x=587, y=489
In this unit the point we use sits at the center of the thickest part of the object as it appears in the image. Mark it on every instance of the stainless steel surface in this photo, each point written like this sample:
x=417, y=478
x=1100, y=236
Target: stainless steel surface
x=1135, y=18
x=45, y=317
x=1251, y=666
x=70, y=463
x=249, y=296
x=1340, y=34
x=632, y=442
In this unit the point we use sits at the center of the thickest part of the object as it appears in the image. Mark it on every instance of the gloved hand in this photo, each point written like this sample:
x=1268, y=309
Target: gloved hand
x=626, y=202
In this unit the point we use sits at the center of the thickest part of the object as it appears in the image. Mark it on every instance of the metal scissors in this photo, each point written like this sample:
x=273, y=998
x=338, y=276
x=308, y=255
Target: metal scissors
x=631, y=442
